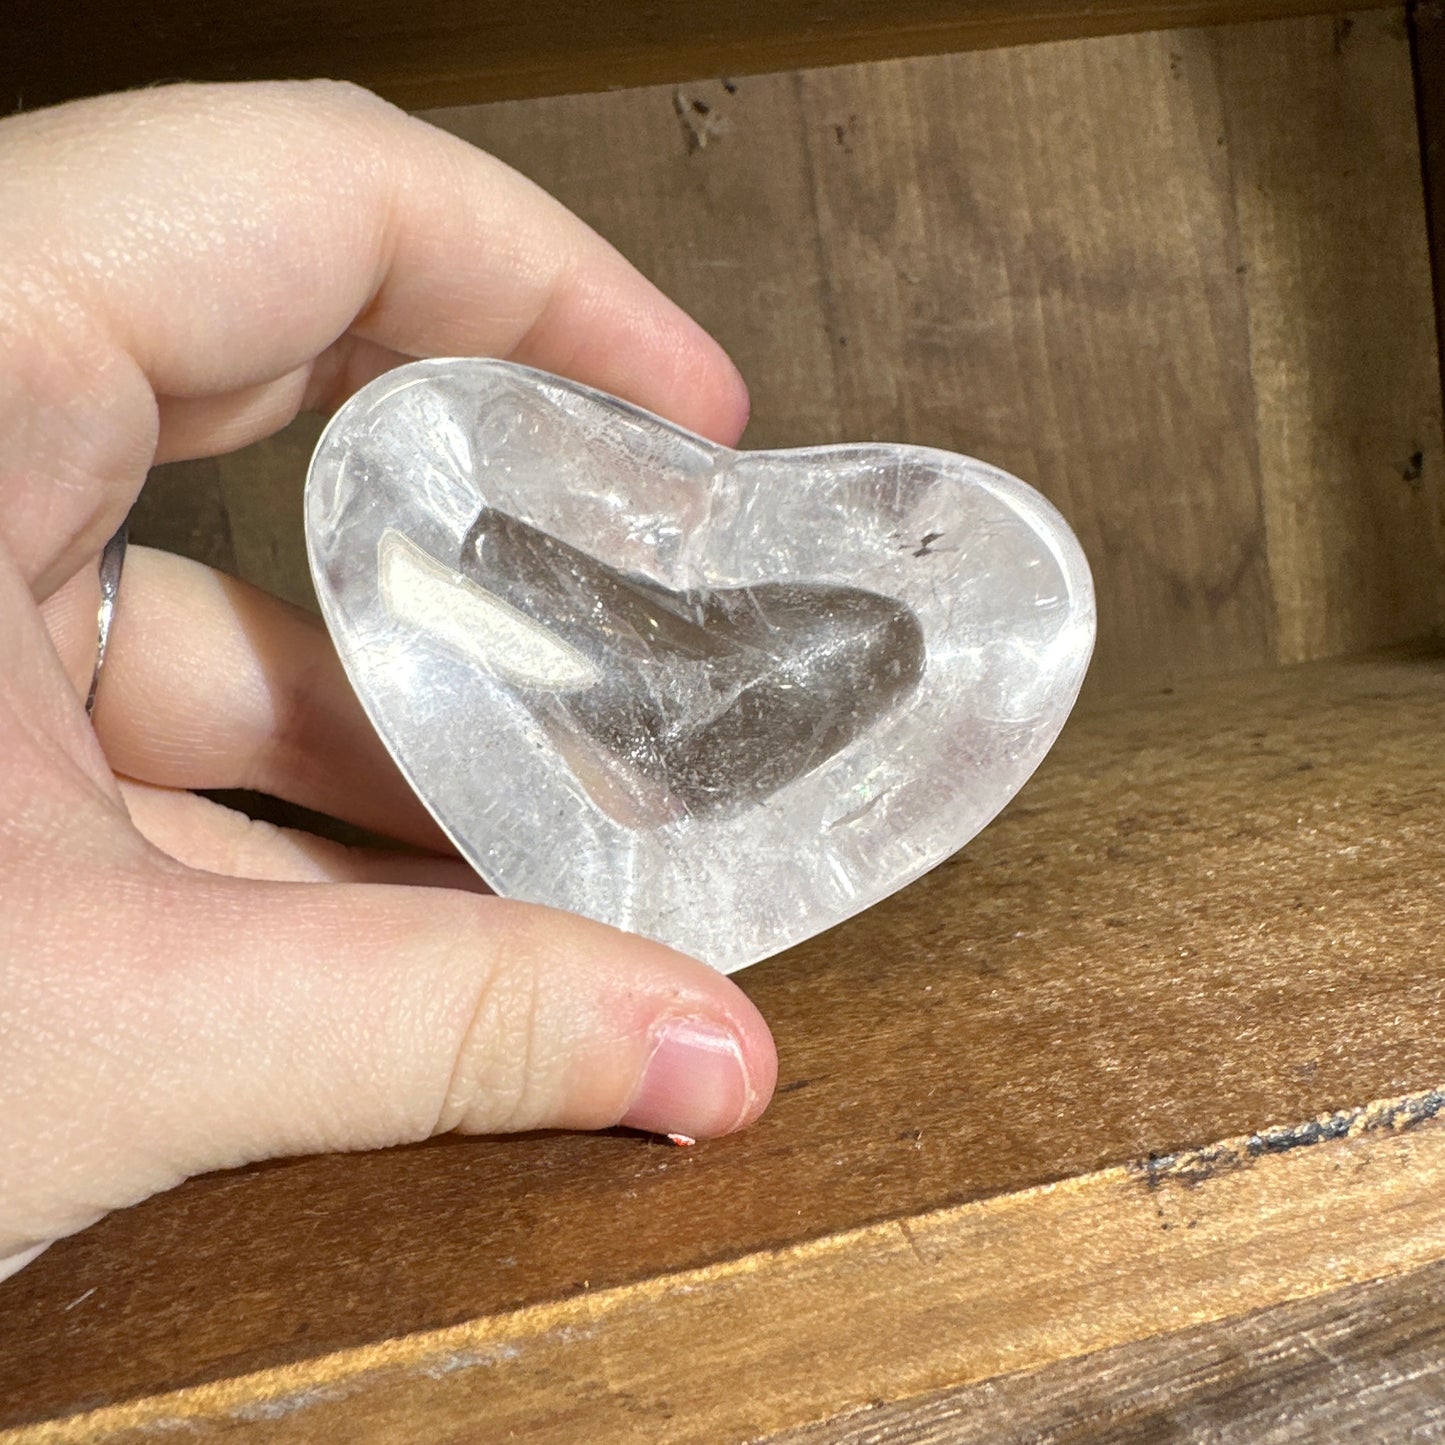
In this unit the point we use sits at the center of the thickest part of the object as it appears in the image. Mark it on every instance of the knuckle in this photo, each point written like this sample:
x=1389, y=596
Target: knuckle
x=503, y=1076
x=339, y=94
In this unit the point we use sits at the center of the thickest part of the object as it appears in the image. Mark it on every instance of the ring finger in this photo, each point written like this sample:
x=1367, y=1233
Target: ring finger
x=210, y=683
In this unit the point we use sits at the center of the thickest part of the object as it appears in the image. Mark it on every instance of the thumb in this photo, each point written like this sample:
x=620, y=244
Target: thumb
x=228, y=1021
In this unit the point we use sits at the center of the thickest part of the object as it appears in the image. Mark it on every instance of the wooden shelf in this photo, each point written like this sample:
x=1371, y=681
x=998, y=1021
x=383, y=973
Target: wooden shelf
x=451, y=52
x=1016, y=1100
x=1361, y=1363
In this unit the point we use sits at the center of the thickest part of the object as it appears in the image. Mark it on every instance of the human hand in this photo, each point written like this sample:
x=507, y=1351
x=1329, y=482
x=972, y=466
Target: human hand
x=181, y=270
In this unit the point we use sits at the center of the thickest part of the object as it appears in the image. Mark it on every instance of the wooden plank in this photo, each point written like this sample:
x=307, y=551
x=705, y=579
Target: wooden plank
x=1081, y=293
x=182, y=508
x=737, y=1349
x=1358, y=1364
x=1227, y=384
x=1054, y=286
x=1339, y=289
x=448, y=52
x=1215, y=909
x=263, y=488
x=1427, y=51
x=707, y=189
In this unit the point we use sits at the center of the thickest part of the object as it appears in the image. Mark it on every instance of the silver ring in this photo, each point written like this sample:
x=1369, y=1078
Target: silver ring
x=112, y=559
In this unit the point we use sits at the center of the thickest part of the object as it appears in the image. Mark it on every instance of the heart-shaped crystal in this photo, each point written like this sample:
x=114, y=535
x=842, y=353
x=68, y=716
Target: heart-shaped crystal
x=725, y=699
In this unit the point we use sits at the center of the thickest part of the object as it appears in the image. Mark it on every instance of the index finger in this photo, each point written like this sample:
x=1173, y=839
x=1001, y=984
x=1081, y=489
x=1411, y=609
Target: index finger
x=201, y=240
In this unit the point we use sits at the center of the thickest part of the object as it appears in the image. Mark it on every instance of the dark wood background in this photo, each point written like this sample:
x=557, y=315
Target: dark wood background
x=451, y=52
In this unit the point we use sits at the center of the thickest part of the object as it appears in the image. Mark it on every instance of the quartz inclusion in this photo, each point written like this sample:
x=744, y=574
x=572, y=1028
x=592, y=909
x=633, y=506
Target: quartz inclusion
x=724, y=699
x=715, y=697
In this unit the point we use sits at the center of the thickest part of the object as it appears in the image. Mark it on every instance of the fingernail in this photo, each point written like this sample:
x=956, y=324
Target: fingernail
x=695, y=1082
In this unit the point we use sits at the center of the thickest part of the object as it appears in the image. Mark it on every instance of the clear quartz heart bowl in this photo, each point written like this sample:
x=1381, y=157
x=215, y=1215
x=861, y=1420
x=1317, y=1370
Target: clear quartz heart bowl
x=722, y=698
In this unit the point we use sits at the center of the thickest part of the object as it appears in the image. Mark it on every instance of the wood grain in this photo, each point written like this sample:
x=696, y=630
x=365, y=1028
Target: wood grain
x=1353, y=498
x=1360, y=1364
x=1018, y=279
x=447, y=52
x=261, y=489
x=1215, y=909
x=738, y=1349
x=1427, y=51
x=183, y=508
x=1164, y=313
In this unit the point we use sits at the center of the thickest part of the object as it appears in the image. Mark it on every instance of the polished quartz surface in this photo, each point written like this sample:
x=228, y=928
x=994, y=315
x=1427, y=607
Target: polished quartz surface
x=721, y=698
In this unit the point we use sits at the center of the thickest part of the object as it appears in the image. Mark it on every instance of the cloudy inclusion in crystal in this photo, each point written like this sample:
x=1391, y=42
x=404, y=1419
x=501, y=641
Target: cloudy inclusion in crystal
x=718, y=696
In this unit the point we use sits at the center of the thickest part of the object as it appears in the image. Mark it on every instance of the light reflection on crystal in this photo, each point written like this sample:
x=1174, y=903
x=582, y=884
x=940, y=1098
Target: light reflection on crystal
x=436, y=602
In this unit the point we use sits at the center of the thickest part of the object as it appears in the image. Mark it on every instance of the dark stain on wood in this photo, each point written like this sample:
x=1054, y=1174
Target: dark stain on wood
x=1193, y=1167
